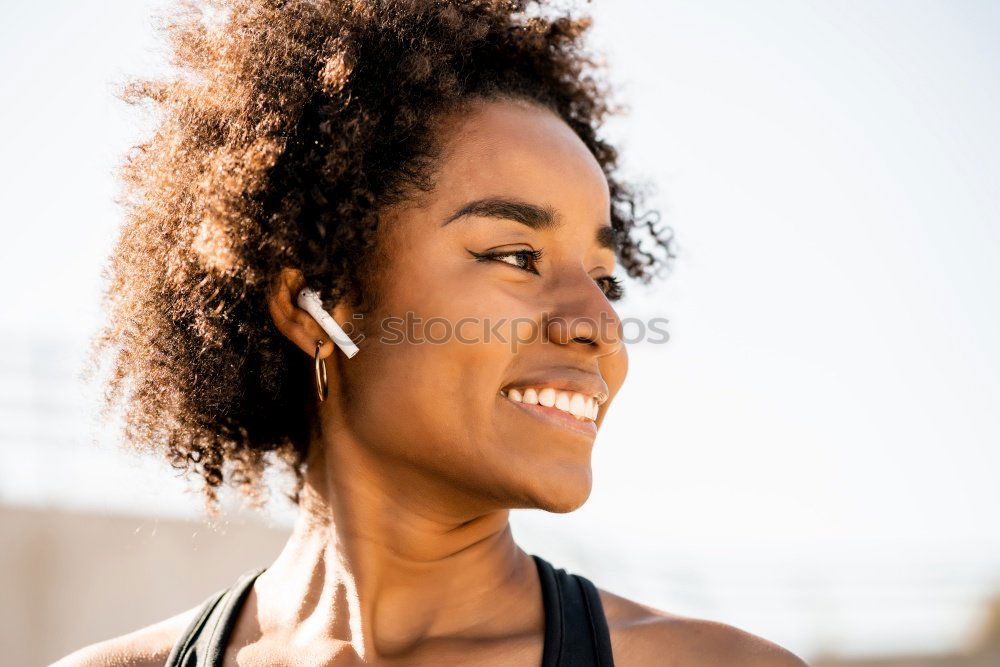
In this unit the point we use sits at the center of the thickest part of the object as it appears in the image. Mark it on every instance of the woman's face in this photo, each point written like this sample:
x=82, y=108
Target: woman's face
x=497, y=284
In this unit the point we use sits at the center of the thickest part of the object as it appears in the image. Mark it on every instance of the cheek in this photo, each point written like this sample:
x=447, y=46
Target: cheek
x=425, y=399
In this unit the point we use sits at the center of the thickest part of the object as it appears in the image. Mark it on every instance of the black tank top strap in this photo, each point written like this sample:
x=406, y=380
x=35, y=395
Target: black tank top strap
x=203, y=643
x=576, y=630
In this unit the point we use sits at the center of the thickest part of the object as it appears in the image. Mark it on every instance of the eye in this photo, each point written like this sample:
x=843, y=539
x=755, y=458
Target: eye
x=612, y=287
x=525, y=260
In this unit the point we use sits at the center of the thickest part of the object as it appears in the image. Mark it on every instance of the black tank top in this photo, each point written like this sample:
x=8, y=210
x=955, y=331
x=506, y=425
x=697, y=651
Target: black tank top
x=576, y=631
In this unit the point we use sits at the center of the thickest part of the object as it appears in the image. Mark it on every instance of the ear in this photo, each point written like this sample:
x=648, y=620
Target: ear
x=294, y=322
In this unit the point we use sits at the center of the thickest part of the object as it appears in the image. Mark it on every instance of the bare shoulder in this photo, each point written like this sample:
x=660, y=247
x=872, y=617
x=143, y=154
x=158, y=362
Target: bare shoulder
x=146, y=647
x=642, y=635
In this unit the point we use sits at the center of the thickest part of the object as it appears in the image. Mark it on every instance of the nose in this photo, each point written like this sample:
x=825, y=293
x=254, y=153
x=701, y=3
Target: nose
x=584, y=318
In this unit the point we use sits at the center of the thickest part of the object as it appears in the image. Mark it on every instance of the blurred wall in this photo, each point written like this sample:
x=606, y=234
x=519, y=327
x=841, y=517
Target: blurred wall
x=72, y=579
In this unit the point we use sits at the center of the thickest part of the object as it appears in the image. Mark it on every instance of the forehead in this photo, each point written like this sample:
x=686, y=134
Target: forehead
x=517, y=149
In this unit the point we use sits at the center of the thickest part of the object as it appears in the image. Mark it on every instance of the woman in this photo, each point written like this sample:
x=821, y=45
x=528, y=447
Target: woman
x=433, y=170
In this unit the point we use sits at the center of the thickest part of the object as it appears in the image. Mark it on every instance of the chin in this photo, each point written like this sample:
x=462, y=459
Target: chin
x=562, y=492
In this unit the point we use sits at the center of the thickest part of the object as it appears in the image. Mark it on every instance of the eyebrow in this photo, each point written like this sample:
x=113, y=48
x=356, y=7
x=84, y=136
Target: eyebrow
x=536, y=217
x=606, y=238
x=532, y=215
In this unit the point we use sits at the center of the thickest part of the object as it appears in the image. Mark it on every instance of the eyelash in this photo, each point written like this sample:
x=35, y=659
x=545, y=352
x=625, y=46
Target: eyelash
x=610, y=285
x=526, y=255
x=614, y=290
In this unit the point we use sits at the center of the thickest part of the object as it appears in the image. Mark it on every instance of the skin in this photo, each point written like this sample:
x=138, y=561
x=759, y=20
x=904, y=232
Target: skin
x=402, y=552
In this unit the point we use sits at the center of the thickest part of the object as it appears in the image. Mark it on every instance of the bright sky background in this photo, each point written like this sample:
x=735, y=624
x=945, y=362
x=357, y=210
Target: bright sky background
x=814, y=455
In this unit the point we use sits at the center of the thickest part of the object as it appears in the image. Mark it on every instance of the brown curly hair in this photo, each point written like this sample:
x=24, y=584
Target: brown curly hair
x=284, y=128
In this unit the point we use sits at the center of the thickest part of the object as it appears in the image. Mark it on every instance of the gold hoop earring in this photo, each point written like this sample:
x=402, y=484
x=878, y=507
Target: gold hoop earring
x=321, y=384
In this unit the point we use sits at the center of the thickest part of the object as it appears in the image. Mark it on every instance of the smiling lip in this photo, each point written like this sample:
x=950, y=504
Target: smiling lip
x=564, y=379
x=557, y=417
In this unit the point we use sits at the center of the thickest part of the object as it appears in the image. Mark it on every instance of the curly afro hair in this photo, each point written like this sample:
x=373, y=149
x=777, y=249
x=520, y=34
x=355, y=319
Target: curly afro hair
x=283, y=129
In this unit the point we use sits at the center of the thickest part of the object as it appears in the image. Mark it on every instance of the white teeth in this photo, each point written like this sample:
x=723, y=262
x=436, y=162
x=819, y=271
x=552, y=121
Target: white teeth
x=579, y=405
x=547, y=397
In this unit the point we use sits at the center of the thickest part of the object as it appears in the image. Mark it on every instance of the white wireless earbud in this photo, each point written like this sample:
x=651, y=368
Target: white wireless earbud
x=309, y=301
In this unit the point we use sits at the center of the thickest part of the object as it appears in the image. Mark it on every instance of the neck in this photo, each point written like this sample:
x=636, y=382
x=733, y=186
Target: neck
x=383, y=560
